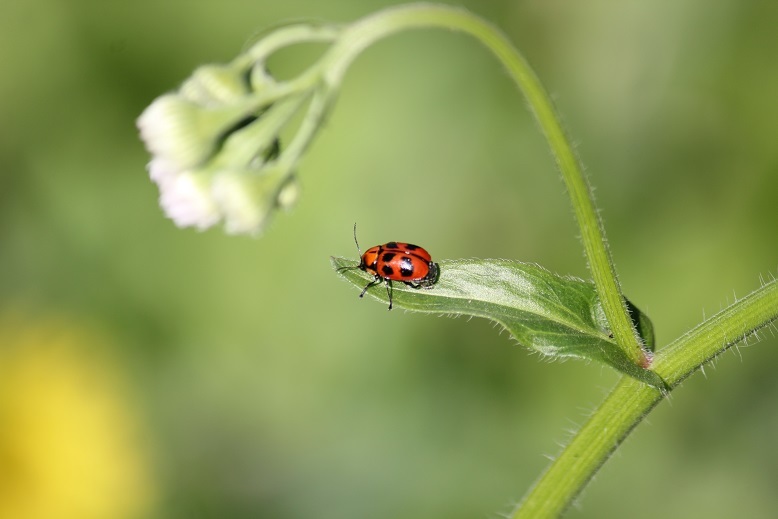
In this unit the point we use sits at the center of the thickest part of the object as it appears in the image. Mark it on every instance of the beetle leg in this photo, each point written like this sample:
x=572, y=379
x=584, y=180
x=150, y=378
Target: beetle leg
x=389, y=291
x=371, y=284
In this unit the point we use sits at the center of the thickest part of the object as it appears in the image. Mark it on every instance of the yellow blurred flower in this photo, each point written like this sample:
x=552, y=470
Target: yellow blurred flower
x=69, y=443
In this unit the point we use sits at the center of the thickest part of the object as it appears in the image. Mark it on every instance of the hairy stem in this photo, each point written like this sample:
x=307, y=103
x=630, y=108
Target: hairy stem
x=630, y=401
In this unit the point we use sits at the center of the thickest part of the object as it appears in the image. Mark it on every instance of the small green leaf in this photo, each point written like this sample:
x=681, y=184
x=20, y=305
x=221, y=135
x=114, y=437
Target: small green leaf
x=554, y=315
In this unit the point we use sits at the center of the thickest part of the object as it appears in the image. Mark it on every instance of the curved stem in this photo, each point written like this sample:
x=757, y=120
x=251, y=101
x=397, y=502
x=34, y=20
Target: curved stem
x=302, y=139
x=630, y=401
x=293, y=34
x=360, y=35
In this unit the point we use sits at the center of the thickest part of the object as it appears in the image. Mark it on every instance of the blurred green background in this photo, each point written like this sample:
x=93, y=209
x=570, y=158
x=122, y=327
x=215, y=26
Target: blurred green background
x=152, y=372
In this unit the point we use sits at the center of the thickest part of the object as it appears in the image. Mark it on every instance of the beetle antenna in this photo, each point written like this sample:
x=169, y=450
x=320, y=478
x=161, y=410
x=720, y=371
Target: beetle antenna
x=359, y=252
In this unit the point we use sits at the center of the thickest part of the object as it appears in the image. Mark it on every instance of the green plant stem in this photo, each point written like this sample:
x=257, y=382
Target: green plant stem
x=363, y=33
x=630, y=401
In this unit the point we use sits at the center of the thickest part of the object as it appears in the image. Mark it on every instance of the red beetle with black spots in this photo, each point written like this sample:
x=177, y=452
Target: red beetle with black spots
x=396, y=261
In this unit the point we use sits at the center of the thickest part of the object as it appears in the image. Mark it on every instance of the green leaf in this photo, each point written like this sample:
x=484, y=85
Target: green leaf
x=554, y=315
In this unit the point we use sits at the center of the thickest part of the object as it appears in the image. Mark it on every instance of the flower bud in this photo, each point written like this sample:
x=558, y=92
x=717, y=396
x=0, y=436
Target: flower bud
x=246, y=199
x=215, y=142
x=182, y=132
x=185, y=196
x=289, y=193
x=216, y=85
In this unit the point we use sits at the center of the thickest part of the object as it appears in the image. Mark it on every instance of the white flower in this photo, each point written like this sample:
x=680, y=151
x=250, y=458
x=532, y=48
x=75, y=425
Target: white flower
x=161, y=171
x=185, y=196
x=215, y=144
x=182, y=132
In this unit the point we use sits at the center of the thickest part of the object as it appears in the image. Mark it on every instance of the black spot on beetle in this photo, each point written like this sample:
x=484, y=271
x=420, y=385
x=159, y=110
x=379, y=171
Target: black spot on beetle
x=388, y=256
x=406, y=267
x=387, y=270
x=410, y=246
x=391, y=245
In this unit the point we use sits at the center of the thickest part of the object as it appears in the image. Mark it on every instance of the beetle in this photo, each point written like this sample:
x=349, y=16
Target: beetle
x=397, y=261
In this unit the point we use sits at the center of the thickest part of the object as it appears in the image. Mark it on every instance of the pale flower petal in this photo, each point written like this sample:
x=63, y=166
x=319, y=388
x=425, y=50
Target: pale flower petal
x=161, y=171
x=187, y=200
x=182, y=132
x=169, y=128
